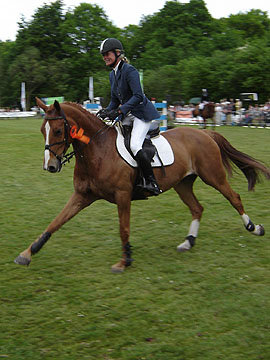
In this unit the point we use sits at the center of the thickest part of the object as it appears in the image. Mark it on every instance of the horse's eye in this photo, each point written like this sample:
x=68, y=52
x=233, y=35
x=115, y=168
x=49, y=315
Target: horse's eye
x=57, y=132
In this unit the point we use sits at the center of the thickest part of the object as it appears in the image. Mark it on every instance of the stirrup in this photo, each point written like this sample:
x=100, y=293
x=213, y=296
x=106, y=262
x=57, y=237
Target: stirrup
x=150, y=187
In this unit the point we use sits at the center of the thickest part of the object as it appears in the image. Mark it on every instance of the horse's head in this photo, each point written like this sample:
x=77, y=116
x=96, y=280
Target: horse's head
x=55, y=130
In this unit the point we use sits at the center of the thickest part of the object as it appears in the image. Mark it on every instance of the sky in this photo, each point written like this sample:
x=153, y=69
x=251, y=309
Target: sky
x=120, y=12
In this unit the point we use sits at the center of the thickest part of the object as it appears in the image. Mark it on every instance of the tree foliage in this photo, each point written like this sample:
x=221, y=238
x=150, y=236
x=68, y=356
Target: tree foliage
x=181, y=49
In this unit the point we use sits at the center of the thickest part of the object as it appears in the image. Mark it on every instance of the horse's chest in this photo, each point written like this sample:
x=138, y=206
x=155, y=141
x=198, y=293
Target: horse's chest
x=95, y=186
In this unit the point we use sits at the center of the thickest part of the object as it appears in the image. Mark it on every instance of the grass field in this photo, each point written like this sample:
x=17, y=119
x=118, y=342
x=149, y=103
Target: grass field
x=210, y=303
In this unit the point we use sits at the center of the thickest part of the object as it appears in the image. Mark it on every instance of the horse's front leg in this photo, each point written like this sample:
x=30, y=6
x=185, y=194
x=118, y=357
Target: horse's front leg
x=123, y=201
x=76, y=203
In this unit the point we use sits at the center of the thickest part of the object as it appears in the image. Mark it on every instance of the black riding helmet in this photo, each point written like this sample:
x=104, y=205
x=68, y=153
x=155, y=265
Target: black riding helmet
x=110, y=44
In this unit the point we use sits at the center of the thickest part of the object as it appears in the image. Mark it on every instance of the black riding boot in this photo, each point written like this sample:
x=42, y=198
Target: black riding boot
x=150, y=183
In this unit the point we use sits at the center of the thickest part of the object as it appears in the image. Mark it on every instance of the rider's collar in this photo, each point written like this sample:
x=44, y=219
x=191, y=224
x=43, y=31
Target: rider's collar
x=117, y=66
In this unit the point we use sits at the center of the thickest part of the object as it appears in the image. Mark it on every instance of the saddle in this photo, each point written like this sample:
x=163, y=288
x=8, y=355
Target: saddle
x=148, y=146
x=151, y=152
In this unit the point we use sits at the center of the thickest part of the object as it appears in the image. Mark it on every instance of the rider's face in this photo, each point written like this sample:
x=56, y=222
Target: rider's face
x=109, y=58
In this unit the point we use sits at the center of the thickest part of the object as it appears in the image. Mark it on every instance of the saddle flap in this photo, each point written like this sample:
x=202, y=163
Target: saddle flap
x=161, y=144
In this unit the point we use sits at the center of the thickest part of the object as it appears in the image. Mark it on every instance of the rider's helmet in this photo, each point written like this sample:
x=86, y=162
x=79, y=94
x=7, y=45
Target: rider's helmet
x=110, y=44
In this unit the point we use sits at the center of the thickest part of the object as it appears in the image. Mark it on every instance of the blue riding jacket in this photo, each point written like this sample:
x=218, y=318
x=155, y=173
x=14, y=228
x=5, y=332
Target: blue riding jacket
x=126, y=92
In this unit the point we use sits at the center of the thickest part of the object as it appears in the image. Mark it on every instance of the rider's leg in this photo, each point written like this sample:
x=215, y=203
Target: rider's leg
x=138, y=134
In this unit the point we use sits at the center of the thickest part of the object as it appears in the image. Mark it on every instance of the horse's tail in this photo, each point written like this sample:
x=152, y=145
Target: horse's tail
x=251, y=167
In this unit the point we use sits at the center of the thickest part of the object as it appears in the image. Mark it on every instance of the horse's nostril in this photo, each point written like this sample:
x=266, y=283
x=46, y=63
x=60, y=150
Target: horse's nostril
x=52, y=169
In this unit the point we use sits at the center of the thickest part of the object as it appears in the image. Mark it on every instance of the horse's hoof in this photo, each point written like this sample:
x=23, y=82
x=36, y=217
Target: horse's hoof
x=21, y=260
x=185, y=246
x=261, y=231
x=182, y=248
x=118, y=268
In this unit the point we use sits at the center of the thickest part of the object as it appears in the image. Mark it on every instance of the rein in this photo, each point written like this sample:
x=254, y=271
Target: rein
x=64, y=158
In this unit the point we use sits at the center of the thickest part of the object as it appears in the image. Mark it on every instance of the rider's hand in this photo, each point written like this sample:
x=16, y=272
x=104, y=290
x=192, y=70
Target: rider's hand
x=103, y=113
x=113, y=114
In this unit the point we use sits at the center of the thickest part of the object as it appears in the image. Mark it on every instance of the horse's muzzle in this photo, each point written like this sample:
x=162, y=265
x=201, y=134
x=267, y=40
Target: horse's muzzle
x=53, y=166
x=53, y=169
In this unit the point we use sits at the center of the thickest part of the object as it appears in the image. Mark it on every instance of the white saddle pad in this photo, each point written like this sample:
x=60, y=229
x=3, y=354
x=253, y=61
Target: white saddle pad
x=161, y=143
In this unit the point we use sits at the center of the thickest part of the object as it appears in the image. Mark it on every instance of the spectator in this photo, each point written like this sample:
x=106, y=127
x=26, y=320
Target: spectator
x=230, y=107
x=218, y=114
x=248, y=116
x=257, y=115
x=224, y=104
x=266, y=111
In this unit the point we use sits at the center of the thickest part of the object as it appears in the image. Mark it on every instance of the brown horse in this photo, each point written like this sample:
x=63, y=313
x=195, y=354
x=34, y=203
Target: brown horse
x=208, y=112
x=100, y=173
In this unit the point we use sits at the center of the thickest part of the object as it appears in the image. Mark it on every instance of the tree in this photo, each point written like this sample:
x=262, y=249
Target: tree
x=27, y=68
x=175, y=32
x=84, y=28
x=253, y=24
x=43, y=31
x=6, y=57
x=166, y=84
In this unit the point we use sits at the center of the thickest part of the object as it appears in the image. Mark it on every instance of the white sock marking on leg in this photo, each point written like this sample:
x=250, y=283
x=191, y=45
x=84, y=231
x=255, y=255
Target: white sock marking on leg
x=194, y=227
x=193, y=231
x=245, y=219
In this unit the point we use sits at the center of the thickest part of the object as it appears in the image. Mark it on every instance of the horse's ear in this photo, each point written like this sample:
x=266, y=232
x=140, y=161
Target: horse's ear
x=57, y=105
x=41, y=104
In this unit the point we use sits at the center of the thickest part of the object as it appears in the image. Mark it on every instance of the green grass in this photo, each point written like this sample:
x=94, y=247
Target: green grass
x=210, y=303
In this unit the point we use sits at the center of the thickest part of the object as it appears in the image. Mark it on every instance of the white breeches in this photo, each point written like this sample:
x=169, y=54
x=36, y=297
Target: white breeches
x=138, y=134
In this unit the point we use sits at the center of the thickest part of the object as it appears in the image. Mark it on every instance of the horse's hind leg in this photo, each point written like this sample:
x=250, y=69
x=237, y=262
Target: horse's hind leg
x=185, y=192
x=221, y=184
x=236, y=202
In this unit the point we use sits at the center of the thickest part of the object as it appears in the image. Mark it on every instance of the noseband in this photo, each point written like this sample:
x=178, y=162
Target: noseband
x=64, y=156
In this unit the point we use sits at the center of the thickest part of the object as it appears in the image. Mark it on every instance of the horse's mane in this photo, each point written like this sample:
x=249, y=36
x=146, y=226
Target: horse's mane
x=81, y=109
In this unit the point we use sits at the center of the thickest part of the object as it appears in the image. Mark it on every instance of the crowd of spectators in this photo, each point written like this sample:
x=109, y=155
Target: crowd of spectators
x=233, y=113
x=229, y=112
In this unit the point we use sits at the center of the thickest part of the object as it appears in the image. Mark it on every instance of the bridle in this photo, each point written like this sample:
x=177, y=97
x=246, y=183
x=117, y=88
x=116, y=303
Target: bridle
x=64, y=157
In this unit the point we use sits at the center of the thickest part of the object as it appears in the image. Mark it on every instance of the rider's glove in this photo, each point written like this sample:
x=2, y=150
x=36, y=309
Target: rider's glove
x=113, y=114
x=103, y=113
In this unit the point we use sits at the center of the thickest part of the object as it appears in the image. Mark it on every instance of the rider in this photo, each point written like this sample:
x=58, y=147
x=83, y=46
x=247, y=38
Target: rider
x=204, y=100
x=128, y=100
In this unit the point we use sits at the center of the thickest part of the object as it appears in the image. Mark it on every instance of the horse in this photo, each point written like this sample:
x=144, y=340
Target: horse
x=100, y=172
x=208, y=112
